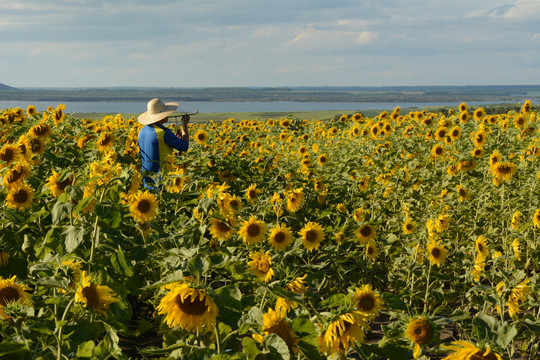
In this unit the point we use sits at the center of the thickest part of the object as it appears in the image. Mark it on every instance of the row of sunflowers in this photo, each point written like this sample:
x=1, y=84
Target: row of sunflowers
x=405, y=235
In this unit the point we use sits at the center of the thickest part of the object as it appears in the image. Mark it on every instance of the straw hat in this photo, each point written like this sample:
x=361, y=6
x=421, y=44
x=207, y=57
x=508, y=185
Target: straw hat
x=157, y=110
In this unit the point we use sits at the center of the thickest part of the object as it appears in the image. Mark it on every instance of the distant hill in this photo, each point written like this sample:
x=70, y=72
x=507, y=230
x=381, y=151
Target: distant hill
x=5, y=87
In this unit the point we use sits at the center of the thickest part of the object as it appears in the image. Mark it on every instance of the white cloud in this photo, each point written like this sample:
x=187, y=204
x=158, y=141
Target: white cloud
x=365, y=37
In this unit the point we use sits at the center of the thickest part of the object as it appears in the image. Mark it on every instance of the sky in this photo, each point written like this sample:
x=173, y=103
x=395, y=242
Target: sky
x=269, y=43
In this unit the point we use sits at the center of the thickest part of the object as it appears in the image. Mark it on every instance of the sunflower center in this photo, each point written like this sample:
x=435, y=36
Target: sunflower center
x=370, y=250
x=311, y=235
x=222, y=227
x=366, y=303
x=253, y=230
x=263, y=266
x=234, y=204
x=91, y=296
x=62, y=184
x=7, y=155
x=7, y=295
x=14, y=175
x=144, y=206
x=105, y=140
x=41, y=130
x=252, y=194
x=200, y=137
x=409, y=227
x=421, y=332
x=20, y=196
x=282, y=330
x=462, y=192
x=478, y=355
x=439, y=150
x=365, y=231
x=36, y=145
x=436, y=253
x=504, y=169
x=279, y=237
x=191, y=306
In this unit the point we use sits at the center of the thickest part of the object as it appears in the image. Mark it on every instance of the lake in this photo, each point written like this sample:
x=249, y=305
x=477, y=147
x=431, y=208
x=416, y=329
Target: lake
x=226, y=107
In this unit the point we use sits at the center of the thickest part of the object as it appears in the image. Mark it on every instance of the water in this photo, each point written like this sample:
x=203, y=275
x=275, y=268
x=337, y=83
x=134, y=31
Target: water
x=230, y=107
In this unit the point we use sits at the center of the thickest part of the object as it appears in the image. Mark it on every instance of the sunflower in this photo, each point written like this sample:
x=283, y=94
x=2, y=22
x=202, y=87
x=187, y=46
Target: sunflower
x=323, y=159
x=312, y=234
x=191, y=309
x=441, y=133
x=36, y=145
x=515, y=248
x=275, y=323
x=201, y=137
x=57, y=187
x=466, y=350
x=261, y=265
x=342, y=332
x=105, y=141
x=463, y=107
x=463, y=117
x=358, y=214
x=252, y=230
x=494, y=159
x=455, y=132
x=442, y=223
x=421, y=332
x=295, y=199
x=478, y=152
x=482, y=246
x=220, y=230
x=367, y=301
x=517, y=296
x=516, y=220
x=8, y=154
x=519, y=121
x=366, y=233
x=467, y=165
x=16, y=175
x=280, y=237
x=536, y=218
x=41, y=130
x=20, y=197
x=504, y=171
x=252, y=192
x=479, y=114
x=31, y=110
x=10, y=292
x=95, y=297
x=463, y=193
x=144, y=206
x=452, y=169
x=296, y=286
x=409, y=226
x=479, y=138
x=437, y=150
x=372, y=251
x=437, y=252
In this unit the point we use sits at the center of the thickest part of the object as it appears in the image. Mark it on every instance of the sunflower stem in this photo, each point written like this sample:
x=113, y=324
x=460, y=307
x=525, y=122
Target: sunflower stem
x=59, y=352
x=427, y=287
x=218, y=340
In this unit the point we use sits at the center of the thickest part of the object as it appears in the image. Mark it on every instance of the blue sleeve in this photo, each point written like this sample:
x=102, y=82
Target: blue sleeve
x=174, y=141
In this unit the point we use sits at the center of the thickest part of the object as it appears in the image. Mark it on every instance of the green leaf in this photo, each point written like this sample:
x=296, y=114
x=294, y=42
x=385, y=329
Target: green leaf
x=60, y=211
x=74, y=237
x=229, y=302
x=198, y=266
x=393, y=301
x=10, y=348
x=505, y=334
x=485, y=327
x=85, y=349
x=277, y=347
x=120, y=263
x=249, y=347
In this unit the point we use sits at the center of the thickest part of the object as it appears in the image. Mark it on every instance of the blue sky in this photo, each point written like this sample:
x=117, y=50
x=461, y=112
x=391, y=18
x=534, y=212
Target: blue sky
x=202, y=43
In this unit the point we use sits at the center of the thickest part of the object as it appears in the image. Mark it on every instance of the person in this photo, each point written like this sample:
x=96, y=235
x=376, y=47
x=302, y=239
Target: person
x=156, y=142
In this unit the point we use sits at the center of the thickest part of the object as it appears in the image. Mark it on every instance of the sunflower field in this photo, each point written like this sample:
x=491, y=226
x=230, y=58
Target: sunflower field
x=394, y=237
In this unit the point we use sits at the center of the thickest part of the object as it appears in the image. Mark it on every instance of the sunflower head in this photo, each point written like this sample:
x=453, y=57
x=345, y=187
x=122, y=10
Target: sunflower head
x=367, y=301
x=261, y=265
x=421, y=332
x=191, y=309
x=10, y=292
x=312, y=234
x=252, y=230
x=20, y=197
x=366, y=233
x=144, y=206
x=280, y=237
x=95, y=297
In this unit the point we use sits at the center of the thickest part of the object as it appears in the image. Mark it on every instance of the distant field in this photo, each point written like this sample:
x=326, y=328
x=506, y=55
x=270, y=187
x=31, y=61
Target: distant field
x=310, y=115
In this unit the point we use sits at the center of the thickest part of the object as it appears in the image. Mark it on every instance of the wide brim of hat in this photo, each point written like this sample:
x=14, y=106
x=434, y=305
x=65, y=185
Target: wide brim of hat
x=146, y=118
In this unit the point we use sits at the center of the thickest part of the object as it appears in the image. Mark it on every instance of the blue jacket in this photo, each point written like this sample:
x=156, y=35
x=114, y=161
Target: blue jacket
x=156, y=142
